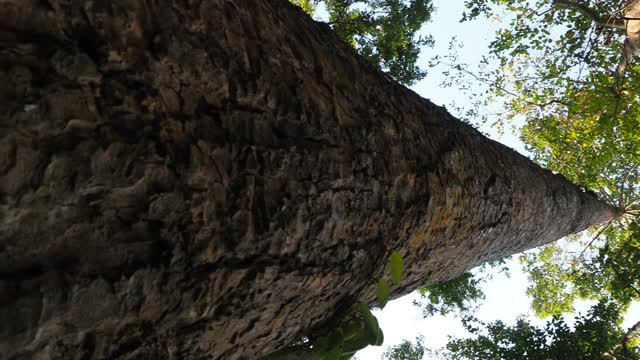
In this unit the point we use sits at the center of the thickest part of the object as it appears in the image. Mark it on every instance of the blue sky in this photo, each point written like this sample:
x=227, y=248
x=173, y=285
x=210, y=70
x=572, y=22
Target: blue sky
x=506, y=299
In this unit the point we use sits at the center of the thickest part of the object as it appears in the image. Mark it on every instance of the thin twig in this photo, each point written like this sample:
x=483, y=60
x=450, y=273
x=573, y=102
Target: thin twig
x=600, y=231
x=607, y=196
x=626, y=176
x=495, y=84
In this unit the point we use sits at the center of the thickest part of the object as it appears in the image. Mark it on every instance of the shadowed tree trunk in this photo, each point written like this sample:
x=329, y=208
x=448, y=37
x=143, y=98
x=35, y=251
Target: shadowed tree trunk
x=211, y=179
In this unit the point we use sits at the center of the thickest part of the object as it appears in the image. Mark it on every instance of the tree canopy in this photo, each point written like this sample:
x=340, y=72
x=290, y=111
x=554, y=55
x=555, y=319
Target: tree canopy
x=555, y=67
x=595, y=336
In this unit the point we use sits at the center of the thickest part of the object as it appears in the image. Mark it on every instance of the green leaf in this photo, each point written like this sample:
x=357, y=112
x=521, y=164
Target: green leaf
x=369, y=320
x=327, y=344
x=356, y=343
x=374, y=333
x=380, y=337
x=352, y=328
x=397, y=267
x=383, y=292
x=334, y=354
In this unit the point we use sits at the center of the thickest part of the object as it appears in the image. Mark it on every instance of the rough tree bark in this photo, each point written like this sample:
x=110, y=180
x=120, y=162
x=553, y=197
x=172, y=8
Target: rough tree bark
x=631, y=11
x=210, y=179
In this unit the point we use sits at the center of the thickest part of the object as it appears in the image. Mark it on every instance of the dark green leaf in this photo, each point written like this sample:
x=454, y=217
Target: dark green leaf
x=374, y=333
x=333, y=354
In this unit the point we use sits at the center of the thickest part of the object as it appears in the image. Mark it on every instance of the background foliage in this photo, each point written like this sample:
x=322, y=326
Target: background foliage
x=594, y=336
x=383, y=31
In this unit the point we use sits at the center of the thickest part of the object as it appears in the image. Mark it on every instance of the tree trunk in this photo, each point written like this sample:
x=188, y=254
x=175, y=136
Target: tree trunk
x=211, y=179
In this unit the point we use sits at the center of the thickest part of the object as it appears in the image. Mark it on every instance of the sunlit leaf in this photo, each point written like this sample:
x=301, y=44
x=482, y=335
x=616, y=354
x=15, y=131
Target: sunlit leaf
x=397, y=267
x=382, y=291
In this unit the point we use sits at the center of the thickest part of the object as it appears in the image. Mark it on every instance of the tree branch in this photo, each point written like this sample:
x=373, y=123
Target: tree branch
x=590, y=13
x=630, y=333
x=606, y=195
x=623, y=343
x=496, y=85
x=600, y=230
x=621, y=187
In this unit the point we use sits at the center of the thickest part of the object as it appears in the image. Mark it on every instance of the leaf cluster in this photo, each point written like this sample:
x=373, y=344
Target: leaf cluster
x=386, y=32
x=454, y=295
x=406, y=350
x=458, y=295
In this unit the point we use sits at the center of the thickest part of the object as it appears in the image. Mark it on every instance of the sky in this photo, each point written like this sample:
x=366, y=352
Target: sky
x=506, y=297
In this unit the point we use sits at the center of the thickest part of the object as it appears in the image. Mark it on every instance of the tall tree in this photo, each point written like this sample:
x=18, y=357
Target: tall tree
x=214, y=179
